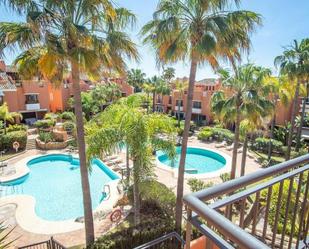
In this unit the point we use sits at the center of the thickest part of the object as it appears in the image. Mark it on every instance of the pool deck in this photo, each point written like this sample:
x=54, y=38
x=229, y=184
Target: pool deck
x=9, y=210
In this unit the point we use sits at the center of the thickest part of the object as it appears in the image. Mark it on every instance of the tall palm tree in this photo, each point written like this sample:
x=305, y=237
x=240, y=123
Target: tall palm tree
x=294, y=62
x=158, y=86
x=280, y=92
x=180, y=86
x=80, y=36
x=136, y=78
x=168, y=74
x=199, y=31
x=142, y=133
x=243, y=99
x=7, y=116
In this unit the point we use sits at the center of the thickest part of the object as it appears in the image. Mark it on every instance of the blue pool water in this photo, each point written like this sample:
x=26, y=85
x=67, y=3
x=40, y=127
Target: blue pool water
x=54, y=181
x=198, y=161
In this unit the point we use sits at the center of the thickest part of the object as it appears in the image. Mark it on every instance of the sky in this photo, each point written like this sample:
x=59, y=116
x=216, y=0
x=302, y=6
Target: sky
x=283, y=21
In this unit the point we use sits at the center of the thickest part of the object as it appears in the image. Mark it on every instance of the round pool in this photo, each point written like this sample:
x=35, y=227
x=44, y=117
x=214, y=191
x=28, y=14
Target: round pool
x=198, y=161
x=54, y=182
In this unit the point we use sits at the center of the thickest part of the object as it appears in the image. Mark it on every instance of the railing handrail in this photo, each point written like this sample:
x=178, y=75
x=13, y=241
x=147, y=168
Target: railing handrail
x=161, y=239
x=232, y=185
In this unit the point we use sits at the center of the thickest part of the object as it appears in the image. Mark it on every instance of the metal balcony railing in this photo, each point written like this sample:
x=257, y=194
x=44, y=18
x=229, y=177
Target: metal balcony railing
x=266, y=209
x=168, y=241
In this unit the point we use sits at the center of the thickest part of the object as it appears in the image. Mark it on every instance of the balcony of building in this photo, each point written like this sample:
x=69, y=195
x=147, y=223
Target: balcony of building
x=197, y=107
x=265, y=209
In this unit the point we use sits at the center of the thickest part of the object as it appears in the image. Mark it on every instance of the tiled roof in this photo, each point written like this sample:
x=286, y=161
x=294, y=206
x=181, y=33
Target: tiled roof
x=6, y=83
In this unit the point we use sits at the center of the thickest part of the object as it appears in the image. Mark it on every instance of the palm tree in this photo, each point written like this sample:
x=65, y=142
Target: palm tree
x=302, y=117
x=156, y=86
x=168, y=74
x=200, y=31
x=242, y=100
x=279, y=90
x=81, y=36
x=8, y=116
x=294, y=62
x=122, y=124
x=180, y=86
x=136, y=78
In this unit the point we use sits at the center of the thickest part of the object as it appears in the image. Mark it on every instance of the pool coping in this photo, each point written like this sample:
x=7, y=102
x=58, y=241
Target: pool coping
x=25, y=210
x=217, y=173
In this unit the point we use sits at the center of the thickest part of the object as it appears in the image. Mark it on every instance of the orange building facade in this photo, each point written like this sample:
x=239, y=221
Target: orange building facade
x=201, y=111
x=34, y=98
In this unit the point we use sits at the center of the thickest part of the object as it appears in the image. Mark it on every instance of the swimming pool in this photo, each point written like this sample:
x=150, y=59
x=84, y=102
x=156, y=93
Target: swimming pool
x=54, y=182
x=198, y=161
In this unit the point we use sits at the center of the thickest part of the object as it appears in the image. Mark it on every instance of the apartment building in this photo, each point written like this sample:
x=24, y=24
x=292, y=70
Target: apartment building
x=177, y=101
x=33, y=98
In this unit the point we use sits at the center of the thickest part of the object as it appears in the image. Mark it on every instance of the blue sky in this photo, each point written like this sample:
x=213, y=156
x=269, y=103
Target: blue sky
x=283, y=21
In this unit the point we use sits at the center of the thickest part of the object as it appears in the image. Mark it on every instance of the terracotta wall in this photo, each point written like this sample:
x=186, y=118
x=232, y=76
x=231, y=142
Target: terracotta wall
x=33, y=87
x=10, y=97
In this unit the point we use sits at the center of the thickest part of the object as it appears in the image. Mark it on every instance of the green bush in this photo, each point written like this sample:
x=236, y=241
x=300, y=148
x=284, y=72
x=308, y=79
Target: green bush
x=51, y=116
x=156, y=199
x=197, y=185
x=46, y=137
x=205, y=135
x=68, y=126
x=45, y=123
x=131, y=237
x=69, y=116
x=261, y=144
x=218, y=133
x=7, y=140
x=16, y=127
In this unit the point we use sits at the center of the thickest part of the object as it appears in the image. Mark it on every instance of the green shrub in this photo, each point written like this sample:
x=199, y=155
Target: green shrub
x=16, y=127
x=156, y=199
x=131, y=237
x=7, y=140
x=45, y=123
x=68, y=126
x=261, y=144
x=69, y=116
x=218, y=133
x=46, y=137
x=51, y=116
x=205, y=135
x=197, y=185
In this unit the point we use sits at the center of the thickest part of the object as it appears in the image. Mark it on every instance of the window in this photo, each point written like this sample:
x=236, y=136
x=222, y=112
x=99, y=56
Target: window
x=32, y=99
x=197, y=104
x=123, y=94
x=159, y=99
x=170, y=100
x=179, y=102
x=1, y=100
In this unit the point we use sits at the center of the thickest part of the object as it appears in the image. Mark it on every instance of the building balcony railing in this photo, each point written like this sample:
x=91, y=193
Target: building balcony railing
x=197, y=110
x=179, y=108
x=266, y=209
x=33, y=106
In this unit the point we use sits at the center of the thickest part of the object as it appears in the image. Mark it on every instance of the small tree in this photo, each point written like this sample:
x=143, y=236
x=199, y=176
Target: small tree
x=7, y=116
x=124, y=124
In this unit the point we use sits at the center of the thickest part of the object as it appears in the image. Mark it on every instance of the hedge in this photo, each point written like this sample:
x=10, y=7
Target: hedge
x=45, y=123
x=261, y=144
x=68, y=126
x=217, y=133
x=7, y=140
x=69, y=116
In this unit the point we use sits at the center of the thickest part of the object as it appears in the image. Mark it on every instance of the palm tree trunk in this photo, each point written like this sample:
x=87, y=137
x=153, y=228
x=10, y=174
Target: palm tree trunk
x=136, y=194
x=128, y=165
x=291, y=131
x=153, y=101
x=236, y=142
x=178, y=111
x=299, y=130
x=88, y=216
x=244, y=156
x=181, y=169
x=271, y=135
